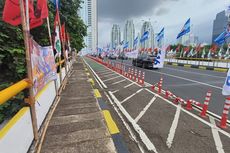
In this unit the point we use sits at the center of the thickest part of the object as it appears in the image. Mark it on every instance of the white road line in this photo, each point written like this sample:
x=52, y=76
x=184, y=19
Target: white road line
x=216, y=136
x=193, y=115
x=194, y=73
x=187, y=79
x=109, y=75
x=111, y=78
x=194, y=84
x=118, y=82
x=97, y=78
x=129, y=85
x=115, y=91
x=149, y=145
x=145, y=109
x=108, y=72
x=104, y=71
x=131, y=96
x=173, y=127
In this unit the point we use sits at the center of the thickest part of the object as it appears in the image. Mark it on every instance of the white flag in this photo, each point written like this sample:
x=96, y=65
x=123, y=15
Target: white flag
x=159, y=61
x=226, y=87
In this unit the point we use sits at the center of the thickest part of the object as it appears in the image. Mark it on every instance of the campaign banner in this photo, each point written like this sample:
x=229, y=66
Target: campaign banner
x=226, y=86
x=159, y=61
x=43, y=65
x=132, y=54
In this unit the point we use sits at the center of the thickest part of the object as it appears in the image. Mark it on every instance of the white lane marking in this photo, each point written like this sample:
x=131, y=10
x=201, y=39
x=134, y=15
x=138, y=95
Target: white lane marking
x=173, y=127
x=131, y=96
x=101, y=72
x=186, y=79
x=194, y=73
x=115, y=91
x=111, y=78
x=126, y=125
x=191, y=114
x=97, y=78
x=129, y=85
x=149, y=145
x=109, y=75
x=118, y=82
x=145, y=109
x=216, y=136
x=109, y=72
x=194, y=84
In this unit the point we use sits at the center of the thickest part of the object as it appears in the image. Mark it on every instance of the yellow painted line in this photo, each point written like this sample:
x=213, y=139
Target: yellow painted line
x=187, y=65
x=88, y=74
x=202, y=67
x=174, y=64
x=13, y=121
x=97, y=93
x=220, y=69
x=91, y=81
x=42, y=91
x=113, y=129
x=86, y=69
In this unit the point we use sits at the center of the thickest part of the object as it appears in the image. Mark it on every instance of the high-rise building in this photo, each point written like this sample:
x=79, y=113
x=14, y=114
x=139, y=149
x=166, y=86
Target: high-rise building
x=88, y=13
x=149, y=43
x=219, y=24
x=115, y=36
x=129, y=33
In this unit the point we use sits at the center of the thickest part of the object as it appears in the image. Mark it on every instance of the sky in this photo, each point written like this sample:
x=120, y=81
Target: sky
x=171, y=14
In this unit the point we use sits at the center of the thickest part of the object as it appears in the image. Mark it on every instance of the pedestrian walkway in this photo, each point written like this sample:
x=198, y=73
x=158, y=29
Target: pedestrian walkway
x=77, y=125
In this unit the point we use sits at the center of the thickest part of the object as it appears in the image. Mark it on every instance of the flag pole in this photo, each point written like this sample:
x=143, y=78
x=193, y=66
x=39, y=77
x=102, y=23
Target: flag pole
x=31, y=99
x=50, y=39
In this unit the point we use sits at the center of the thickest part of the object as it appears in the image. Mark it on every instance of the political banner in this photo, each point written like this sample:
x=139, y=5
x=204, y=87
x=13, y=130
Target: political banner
x=159, y=61
x=226, y=87
x=43, y=65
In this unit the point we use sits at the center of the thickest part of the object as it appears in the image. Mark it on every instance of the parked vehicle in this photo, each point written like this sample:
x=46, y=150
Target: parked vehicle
x=144, y=60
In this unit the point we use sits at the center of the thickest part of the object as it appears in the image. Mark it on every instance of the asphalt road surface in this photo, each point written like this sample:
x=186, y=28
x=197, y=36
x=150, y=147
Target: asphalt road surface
x=159, y=125
x=189, y=83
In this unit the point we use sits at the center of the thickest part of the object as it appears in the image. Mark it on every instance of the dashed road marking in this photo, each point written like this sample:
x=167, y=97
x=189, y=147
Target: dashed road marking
x=118, y=81
x=109, y=75
x=145, y=109
x=111, y=78
x=129, y=85
x=131, y=95
x=173, y=127
x=216, y=136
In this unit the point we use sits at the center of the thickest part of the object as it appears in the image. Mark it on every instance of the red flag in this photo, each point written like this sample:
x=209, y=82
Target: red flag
x=168, y=48
x=186, y=49
x=41, y=12
x=63, y=34
x=198, y=48
x=213, y=48
x=178, y=48
x=11, y=12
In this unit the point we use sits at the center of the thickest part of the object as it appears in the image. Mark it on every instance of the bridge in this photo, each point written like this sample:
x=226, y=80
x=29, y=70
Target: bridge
x=99, y=106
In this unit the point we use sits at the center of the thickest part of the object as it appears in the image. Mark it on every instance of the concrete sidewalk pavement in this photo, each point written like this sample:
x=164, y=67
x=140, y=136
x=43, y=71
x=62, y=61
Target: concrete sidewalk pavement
x=77, y=124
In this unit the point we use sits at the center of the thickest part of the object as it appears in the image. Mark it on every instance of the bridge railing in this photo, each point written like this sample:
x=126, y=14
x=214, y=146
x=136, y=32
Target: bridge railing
x=18, y=131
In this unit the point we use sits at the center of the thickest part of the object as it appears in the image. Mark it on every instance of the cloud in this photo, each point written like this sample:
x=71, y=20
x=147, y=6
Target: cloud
x=161, y=11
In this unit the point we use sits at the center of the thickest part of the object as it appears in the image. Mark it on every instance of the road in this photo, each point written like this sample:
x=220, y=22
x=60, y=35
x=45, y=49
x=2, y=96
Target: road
x=159, y=125
x=189, y=83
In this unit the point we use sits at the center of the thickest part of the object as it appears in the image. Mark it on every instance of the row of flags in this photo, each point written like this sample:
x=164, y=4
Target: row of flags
x=12, y=15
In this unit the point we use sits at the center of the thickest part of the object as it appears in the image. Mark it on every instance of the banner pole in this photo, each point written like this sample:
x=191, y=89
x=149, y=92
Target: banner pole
x=25, y=27
x=50, y=39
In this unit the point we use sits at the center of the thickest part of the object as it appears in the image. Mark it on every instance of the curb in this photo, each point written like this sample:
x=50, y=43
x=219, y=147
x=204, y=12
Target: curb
x=198, y=67
x=110, y=123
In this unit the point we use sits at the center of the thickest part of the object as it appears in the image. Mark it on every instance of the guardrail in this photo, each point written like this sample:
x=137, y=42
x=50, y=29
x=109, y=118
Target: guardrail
x=195, y=61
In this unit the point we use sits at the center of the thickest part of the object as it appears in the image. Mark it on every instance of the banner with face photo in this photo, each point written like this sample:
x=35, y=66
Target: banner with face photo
x=43, y=65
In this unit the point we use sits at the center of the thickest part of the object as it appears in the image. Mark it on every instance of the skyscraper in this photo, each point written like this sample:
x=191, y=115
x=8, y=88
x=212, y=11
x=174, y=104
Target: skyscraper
x=149, y=43
x=219, y=24
x=129, y=33
x=115, y=36
x=88, y=13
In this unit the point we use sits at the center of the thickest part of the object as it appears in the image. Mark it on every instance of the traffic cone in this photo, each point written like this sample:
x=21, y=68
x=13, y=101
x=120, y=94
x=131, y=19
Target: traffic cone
x=135, y=75
x=168, y=94
x=139, y=76
x=206, y=102
x=160, y=85
x=131, y=74
x=189, y=104
x=223, y=122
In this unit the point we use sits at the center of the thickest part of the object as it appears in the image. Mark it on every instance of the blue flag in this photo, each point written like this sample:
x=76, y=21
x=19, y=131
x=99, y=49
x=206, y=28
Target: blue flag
x=126, y=45
x=160, y=35
x=135, y=41
x=226, y=87
x=185, y=29
x=145, y=36
x=222, y=37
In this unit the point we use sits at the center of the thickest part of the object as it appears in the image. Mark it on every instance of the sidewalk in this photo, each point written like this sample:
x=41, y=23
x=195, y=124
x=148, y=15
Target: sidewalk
x=77, y=124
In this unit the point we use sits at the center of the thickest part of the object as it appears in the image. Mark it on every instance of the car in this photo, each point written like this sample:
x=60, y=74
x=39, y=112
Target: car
x=122, y=57
x=144, y=60
x=112, y=57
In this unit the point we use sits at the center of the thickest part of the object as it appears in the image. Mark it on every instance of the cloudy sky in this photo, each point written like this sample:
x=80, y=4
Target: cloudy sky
x=171, y=14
